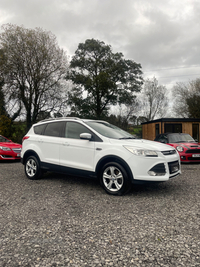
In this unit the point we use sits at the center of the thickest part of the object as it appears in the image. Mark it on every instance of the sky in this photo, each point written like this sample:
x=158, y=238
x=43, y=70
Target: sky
x=163, y=36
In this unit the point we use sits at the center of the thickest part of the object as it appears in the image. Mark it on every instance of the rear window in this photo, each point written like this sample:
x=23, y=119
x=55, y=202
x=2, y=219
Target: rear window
x=38, y=129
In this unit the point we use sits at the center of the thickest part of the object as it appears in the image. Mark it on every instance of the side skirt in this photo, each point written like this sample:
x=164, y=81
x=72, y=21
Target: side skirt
x=67, y=170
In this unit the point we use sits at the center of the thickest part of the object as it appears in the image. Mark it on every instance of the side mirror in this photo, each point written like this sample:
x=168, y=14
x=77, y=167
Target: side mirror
x=86, y=136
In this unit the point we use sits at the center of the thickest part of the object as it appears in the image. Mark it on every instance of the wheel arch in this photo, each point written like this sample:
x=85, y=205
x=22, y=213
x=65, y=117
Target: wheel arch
x=113, y=158
x=30, y=153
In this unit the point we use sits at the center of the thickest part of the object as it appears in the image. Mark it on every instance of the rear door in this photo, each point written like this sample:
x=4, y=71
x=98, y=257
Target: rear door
x=50, y=141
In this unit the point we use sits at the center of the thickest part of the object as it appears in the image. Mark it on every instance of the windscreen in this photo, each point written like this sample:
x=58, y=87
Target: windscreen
x=179, y=138
x=109, y=130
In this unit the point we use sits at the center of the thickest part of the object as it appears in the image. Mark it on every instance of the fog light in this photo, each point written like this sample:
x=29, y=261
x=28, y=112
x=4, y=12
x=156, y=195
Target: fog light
x=151, y=173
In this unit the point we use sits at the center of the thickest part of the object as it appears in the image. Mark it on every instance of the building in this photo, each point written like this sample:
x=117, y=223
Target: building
x=151, y=129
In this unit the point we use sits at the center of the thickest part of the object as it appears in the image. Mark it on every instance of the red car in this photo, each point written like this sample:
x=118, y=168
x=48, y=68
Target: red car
x=188, y=148
x=9, y=150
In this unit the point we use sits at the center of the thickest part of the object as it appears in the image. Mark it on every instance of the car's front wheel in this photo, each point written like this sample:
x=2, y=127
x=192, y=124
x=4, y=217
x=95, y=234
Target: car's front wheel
x=114, y=179
x=32, y=168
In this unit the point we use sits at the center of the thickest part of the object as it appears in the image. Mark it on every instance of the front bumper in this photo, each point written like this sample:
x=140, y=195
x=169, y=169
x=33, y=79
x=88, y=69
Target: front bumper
x=190, y=157
x=10, y=156
x=157, y=169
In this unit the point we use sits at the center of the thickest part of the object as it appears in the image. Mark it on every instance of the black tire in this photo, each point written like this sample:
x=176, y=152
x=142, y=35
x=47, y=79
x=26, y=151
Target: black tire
x=114, y=179
x=32, y=168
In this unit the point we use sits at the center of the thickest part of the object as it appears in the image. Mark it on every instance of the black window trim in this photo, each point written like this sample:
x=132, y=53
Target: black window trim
x=95, y=138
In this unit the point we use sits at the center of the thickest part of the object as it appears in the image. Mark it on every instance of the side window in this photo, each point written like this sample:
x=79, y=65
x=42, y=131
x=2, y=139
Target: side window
x=162, y=139
x=53, y=129
x=74, y=129
x=39, y=129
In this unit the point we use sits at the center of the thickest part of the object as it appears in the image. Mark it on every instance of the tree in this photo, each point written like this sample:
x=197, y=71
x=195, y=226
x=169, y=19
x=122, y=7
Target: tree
x=101, y=78
x=154, y=101
x=32, y=67
x=187, y=99
x=193, y=103
x=2, y=100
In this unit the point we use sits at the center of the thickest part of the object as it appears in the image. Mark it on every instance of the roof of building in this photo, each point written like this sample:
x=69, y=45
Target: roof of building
x=173, y=120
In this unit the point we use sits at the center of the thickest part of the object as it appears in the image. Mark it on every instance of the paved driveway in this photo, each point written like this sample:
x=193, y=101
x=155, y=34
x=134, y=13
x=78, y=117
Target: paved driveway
x=70, y=221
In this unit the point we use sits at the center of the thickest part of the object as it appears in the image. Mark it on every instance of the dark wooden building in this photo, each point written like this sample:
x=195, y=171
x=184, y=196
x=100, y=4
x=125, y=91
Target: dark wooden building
x=173, y=125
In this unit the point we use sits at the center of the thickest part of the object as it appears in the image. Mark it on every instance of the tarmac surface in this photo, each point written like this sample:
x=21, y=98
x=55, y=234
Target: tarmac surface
x=70, y=221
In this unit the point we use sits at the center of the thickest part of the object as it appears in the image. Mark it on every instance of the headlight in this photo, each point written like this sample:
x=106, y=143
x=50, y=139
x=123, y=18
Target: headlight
x=179, y=148
x=5, y=148
x=142, y=152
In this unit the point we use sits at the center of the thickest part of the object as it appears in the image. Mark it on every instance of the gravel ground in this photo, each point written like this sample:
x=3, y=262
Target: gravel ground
x=71, y=221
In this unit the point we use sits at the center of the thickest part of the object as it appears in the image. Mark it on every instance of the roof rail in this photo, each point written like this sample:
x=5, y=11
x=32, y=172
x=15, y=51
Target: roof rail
x=59, y=118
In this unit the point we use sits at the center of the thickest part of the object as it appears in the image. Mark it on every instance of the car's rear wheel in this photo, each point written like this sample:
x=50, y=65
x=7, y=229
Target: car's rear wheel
x=114, y=179
x=32, y=168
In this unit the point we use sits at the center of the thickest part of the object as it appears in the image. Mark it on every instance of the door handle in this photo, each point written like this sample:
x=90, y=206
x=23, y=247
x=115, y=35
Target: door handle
x=65, y=144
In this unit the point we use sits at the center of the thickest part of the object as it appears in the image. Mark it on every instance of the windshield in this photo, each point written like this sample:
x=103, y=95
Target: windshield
x=3, y=139
x=180, y=138
x=109, y=130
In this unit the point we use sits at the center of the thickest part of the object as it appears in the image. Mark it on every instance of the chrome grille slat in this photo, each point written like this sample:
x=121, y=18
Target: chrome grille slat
x=169, y=152
x=16, y=150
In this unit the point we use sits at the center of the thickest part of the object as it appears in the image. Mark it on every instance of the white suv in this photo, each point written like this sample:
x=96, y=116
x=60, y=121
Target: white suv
x=98, y=149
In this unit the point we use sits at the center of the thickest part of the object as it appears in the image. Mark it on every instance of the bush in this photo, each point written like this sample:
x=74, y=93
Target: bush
x=5, y=126
x=12, y=130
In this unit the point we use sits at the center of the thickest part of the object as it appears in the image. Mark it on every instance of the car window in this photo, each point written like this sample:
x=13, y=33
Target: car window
x=3, y=139
x=109, y=130
x=74, y=129
x=53, y=129
x=38, y=129
x=178, y=138
x=162, y=139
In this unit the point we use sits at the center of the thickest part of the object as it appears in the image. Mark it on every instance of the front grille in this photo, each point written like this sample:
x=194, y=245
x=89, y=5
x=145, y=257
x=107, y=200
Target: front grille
x=173, y=166
x=17, y=150
x=195, y=158
x=169, y=152
x=193, y=151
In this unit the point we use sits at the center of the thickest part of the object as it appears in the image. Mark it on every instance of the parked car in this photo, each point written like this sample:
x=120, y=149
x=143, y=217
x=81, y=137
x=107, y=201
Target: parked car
x=9, y=150
x=96, y=149
x=187, y=147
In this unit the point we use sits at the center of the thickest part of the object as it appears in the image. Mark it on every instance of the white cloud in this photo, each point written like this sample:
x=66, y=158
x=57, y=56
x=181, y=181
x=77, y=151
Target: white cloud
x=158, y=34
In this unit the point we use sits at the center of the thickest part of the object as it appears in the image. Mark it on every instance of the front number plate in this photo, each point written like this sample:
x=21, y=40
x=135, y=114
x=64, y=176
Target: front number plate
x=196, y=155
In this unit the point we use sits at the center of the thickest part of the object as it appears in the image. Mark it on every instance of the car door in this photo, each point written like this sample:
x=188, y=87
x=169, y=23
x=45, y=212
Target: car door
x=50, y=141
x=75, y=152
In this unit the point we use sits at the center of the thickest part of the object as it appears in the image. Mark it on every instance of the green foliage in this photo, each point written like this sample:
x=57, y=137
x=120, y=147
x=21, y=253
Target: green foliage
x=5, y=126
x=12, y=130
x=101, y=78
x=18, y=131
x=136, y=131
